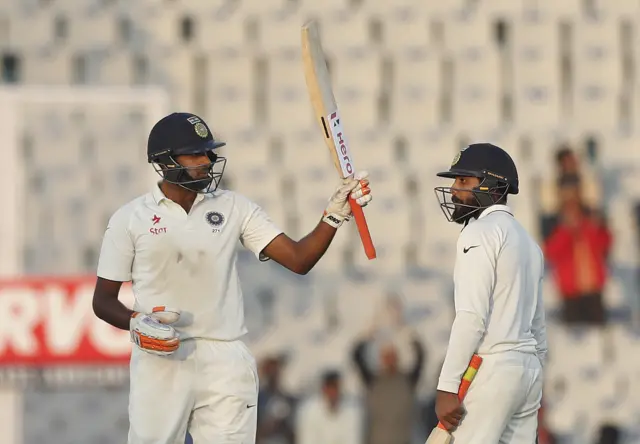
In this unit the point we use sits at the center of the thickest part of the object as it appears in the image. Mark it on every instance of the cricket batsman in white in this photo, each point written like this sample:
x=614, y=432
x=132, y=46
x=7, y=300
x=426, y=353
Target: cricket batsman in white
x=498, y=306
x=190, y=370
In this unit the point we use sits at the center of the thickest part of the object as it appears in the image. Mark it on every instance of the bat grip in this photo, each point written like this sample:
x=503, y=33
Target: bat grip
x=363, y=229
x=468, y=376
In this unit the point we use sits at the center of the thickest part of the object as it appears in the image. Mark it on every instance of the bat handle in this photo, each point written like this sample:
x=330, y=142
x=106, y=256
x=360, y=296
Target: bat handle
x=468, y=376
x=363, y=229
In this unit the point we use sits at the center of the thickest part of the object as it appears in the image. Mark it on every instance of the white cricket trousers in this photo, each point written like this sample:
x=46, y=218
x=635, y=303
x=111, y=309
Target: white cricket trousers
x=503, y=401
x=209, y=388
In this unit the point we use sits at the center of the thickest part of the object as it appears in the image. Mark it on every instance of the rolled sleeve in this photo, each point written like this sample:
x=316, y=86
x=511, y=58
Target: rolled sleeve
x=258, y=230
x=474, y=280
x=117, y=251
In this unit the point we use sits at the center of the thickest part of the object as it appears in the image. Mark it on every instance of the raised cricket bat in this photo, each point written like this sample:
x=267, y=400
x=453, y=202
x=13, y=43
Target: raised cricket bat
x=439, y=435
x=326, y=111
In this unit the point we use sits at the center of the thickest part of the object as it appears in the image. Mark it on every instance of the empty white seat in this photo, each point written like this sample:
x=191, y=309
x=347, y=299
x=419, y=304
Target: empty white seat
x=280, y=34
x=95, y=31
x=621, y=152
x=435, y=254
x=334, y=261
x=185, y=81
x=428, y=9
x=288, y=105
x=624, y=243
x=566, y=9
x=536, y=75
x=373, y=149
x=202, y=8
x=342, y=32
x=433, y=152
x=265, y=190
x=389, y=222
x=358, y=109
x=431, y=297
x=358, y=69
x=467, y=31
x=51, y=68
x=619, y=8
x=416, y=91
x=117, y=69
x=162, y=26
x=406, y=32
x=263, y=7
x=307, y=150
x=313, y=187
x=359, y=304
x=501, y=9
x=598, y=74
x=230, y=93
x=221, y=34
x=329, y=8
x=34, y=31
x=477, y=95
x=248, y=155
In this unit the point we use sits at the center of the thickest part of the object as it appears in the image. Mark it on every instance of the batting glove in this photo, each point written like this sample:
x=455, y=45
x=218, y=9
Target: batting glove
x=339, y=209
x=152, y=332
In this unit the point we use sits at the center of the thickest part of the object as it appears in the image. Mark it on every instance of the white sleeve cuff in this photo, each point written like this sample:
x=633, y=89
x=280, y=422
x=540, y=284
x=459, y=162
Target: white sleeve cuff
x=466, y=332
x=266, y=240
x=112, y=275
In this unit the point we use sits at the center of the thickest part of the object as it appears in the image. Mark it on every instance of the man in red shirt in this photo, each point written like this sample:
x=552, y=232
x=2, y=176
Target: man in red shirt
x=577, y=249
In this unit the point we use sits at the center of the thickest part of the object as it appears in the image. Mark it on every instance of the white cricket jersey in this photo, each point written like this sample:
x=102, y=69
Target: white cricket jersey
x=498, y=293
x=186, y=261
x=318, y=425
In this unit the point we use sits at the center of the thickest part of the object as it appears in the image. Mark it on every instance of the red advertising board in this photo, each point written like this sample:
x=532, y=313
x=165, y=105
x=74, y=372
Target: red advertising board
x=50, y=321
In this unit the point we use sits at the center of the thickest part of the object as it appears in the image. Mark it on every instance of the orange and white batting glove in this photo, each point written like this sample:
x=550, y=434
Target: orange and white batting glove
x=339, y=209
x=152, y=332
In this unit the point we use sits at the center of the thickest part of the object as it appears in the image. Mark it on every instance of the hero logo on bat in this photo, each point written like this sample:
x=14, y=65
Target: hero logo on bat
x=341, y=144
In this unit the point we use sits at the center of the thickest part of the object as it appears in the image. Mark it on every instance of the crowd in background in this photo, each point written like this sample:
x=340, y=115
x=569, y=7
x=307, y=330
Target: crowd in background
x=577, y=242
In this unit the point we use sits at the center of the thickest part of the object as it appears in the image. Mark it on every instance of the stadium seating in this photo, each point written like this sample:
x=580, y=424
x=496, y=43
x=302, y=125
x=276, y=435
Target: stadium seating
x=415, y=81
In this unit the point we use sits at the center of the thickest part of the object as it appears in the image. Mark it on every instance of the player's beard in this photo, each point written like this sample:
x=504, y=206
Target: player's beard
x=464, y=210
x=199, y=177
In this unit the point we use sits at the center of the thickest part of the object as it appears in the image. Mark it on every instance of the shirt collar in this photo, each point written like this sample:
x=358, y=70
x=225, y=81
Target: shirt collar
x=494, y=208
x=158, y=196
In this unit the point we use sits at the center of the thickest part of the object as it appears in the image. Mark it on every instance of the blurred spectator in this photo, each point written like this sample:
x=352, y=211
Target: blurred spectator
x=544, y=436
x=329, y=418
x=577, y=250
x=609, y=434
x=568, y=169
x=276, y=408
x=390, y=393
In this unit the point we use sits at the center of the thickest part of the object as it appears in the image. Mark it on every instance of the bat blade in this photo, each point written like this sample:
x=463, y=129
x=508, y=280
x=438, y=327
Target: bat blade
x=440, y=435
x=329, y=120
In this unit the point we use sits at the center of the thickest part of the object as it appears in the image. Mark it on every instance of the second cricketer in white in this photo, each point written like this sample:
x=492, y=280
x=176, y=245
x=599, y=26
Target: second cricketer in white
x=498, y=304
x=190, y=370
